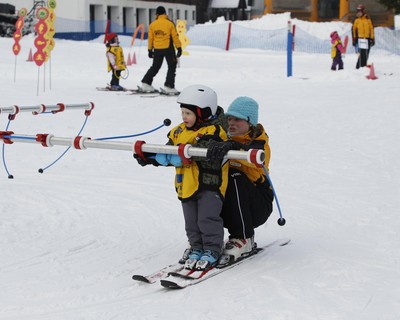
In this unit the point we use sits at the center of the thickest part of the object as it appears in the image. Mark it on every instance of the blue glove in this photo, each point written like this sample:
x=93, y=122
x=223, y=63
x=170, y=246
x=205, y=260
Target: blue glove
x=163, y=158
x=175, y=160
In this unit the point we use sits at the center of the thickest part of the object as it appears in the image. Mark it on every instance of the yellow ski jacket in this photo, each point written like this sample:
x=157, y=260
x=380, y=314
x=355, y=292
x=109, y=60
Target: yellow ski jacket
x=254, y=139
x=336, y=46
x=200, y=174
x=118, y=55
x=363, y=28
x=162, y=34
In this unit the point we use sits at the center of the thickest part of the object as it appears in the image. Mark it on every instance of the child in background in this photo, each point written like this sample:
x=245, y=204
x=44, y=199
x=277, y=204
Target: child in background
x=337, y=50
x=115, y=60
x=201, y=184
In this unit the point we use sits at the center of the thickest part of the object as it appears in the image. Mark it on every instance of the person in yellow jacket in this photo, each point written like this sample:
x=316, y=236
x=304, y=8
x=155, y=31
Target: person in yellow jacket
x=363, y=36
x=162, y=38
x=201, y=184
x=115, y=60
x=337, y=51
x=249, y=195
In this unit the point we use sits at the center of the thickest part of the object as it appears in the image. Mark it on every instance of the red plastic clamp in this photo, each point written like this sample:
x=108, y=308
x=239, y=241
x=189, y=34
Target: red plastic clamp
x=42, y=109
x=44, y=139
x=88, y=112
x=3, y=135
x=14, y=114
x=137, y=148
x=182, y=152
x=79, y=142
x=62, y=108
x=256, y=157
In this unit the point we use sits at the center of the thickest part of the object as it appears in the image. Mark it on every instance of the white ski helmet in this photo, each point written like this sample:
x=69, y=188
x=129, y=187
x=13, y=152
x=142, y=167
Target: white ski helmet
x=200, y=96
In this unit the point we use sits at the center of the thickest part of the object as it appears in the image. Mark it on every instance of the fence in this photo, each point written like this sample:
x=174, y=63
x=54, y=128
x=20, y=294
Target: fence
x=215, y=35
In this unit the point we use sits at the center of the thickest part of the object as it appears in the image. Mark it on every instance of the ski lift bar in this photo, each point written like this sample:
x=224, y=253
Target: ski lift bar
x=41, y=108
x=185, y=151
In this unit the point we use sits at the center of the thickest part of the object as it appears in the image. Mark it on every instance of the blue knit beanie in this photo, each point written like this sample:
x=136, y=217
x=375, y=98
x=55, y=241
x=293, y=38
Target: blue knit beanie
x=244, y=108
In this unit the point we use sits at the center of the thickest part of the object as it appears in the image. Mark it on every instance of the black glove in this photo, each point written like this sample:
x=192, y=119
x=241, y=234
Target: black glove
x=178, y=52
x=371, y=42
x=151, y=53
x=355, y=42
x=147, y=160
x=217, y=150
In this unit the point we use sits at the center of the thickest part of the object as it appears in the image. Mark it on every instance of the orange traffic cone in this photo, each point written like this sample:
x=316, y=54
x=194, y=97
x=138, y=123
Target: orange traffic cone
x=129, y=62
x=134, y=58
x=30, y=57
x=372, y=75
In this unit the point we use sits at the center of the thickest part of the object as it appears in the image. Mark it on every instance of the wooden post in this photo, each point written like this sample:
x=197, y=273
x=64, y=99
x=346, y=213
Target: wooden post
x=344, y=10
x=228, y=38
x=267, y=6
x=314, y=10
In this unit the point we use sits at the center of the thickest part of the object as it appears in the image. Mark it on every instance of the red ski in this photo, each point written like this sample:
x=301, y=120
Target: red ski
x=345, y=43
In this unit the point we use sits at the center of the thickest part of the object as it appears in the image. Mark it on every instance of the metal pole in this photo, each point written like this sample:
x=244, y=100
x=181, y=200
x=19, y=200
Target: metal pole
x=255, y=156
x=46, y=108
x=289, y=50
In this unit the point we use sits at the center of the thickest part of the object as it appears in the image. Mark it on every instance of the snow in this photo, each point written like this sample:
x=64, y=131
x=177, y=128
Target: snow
x=72, y=237
x=320, y=30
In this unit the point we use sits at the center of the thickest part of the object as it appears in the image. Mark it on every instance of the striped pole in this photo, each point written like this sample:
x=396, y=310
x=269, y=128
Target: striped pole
x=185, y=151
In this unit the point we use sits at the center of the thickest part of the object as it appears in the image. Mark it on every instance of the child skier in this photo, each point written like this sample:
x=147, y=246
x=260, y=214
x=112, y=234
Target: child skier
x=337, y=50
x=201, y=184
x=115, y=60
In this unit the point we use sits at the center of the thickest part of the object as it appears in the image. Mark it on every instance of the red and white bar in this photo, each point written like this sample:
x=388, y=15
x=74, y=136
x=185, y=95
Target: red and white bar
x=41, y=108
x=187, y=151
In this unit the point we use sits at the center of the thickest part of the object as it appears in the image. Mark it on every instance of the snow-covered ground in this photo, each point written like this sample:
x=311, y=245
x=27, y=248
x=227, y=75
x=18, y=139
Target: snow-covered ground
x=71, y=238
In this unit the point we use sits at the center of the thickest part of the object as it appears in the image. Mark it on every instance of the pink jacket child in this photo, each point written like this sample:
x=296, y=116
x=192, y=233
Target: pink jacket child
x=337, y=51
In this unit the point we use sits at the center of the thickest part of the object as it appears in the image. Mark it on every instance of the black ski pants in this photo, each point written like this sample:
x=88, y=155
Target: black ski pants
x=337, y=61
x=246, y=206
x=362, y=58
x=116, y=74
x=158, y=58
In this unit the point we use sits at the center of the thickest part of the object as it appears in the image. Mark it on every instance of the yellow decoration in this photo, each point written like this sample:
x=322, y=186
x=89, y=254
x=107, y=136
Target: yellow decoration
x=181, y=29
x=49, y=36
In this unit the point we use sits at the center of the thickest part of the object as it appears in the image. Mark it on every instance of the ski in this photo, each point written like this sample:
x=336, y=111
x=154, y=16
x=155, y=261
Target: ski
x=185, y=278
x=139, y=90
x=109, y=89
x=157, y=93
x=141, y=93
x=157, y=275
x=166, y=93
x=345, y=43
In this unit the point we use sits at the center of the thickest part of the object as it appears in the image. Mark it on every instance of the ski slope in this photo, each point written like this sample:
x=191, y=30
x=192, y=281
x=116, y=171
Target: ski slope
x=72, y=237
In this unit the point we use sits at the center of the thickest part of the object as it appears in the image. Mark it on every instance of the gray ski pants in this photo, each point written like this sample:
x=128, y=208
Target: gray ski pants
x=203, y=223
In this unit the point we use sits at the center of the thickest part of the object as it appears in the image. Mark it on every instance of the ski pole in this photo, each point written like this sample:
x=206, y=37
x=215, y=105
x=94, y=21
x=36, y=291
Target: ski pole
x=281, y=221
x=166, y=123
